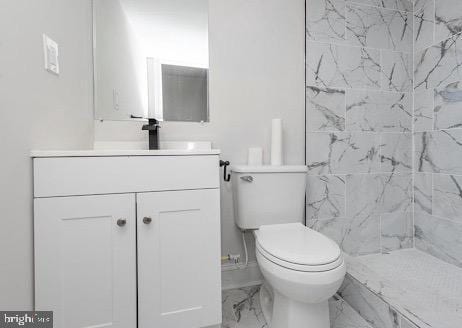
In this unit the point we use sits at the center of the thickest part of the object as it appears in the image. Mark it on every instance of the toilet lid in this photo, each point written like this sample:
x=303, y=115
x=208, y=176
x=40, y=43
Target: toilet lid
x=297, y=244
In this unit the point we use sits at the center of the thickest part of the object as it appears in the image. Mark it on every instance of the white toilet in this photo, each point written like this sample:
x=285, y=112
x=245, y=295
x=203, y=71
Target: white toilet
x=302, y=267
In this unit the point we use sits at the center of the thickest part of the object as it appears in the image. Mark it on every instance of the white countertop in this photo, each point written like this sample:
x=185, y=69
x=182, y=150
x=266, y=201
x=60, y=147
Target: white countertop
x=111, y=152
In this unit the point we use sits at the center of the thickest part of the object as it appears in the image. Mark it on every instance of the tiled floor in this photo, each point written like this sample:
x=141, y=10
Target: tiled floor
x=419, y=286
x=241, y=309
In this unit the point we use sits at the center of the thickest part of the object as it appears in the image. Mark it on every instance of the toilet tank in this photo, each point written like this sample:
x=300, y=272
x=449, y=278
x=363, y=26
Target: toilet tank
x=268, y=195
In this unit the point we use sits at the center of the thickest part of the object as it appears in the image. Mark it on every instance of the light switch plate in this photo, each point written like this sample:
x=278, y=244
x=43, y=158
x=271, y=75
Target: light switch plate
x=51, y=54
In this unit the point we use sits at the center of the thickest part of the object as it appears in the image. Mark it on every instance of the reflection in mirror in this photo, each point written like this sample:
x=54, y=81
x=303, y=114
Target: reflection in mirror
x=151, y=59
x=177, y=93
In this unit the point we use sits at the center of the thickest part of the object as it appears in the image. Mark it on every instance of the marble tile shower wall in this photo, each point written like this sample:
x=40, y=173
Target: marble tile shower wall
x=360, y=122
x=438, y=128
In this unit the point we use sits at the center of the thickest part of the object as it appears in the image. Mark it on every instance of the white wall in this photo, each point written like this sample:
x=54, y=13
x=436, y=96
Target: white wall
x=38, y=111
x=120, y=63
x=172, y=31
x=256, y=74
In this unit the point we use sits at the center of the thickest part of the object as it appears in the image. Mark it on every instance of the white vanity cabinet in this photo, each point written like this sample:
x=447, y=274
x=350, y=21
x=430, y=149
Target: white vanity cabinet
x=178, y=238
x=124, y=236
x=85, y=263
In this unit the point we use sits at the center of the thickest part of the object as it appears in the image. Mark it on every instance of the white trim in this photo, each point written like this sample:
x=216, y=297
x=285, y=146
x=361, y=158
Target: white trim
x=233, y=267
x=234, y=276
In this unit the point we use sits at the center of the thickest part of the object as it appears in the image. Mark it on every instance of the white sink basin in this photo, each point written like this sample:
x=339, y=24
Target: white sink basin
x=186, y=145
x=165, y=145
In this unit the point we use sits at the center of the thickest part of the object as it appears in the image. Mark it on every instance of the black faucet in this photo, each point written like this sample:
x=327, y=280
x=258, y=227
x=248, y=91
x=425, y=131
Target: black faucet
x=153, y=127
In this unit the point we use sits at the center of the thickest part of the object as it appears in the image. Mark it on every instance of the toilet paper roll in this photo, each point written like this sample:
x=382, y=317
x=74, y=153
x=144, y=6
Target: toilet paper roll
x=276, y=142
x=255, y=157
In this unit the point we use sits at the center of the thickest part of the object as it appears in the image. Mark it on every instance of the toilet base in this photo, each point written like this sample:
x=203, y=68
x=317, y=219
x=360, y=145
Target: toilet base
x=288, y=313
x=266, y=302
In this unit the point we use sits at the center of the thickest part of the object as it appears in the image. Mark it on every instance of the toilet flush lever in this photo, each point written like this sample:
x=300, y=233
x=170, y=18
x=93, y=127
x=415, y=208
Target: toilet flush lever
x=247, y=178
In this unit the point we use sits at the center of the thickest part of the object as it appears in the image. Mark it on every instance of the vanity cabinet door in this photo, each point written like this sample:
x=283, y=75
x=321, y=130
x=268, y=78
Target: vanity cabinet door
x=179, y=282
x=85, y=260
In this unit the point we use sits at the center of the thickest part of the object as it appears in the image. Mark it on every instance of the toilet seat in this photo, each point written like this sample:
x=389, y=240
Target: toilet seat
x=296, y=247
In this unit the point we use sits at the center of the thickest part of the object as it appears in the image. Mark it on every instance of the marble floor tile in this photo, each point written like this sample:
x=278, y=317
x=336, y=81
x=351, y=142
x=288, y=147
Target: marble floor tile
x=241, y=309
x=420, y=287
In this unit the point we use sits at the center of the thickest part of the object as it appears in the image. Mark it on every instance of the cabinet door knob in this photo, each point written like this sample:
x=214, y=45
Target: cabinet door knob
x=147, y=220
x=121, y=222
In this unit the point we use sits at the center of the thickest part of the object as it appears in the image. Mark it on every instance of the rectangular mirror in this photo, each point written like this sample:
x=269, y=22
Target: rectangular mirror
x=151, y=60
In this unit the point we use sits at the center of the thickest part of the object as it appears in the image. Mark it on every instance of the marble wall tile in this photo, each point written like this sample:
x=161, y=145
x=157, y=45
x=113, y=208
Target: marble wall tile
x=374, y=194
x=439, y=237
x=423, y=110
x=342, y=153
x=397, y=231
x=332, y=228
x=448, y=106
x=342, y=315
x=424, y=26
x=378, y=111
x=356, y=236
x=396, y=193
x=325, y=197
x=404, y=5
x=438, y=151
x=371, y=307
x=423, y=192
x=439, y=65
x=325, y=109
x=325, y=20
x=407, y=324
x=330, y=65
x=396, y=152
x=448, y=18
x=396, y=71
x=359, y=120
x=379, y=28
x=420, y=4
x=364, y=195
x=447, y=196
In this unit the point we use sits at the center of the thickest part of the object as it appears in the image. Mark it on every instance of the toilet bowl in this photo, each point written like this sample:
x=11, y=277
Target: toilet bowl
x=304, y=269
